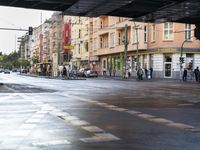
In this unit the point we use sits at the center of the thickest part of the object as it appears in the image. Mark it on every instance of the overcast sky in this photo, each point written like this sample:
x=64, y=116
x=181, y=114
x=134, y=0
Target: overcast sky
x=18, y=18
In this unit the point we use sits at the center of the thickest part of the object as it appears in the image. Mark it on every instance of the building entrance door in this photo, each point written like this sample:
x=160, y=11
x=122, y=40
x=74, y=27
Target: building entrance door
x=168, y=70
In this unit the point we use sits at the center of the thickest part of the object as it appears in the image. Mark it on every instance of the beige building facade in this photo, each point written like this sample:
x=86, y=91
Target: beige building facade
x=100, y=45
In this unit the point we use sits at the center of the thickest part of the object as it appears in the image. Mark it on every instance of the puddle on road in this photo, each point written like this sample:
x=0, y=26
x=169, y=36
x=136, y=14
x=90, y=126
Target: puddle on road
x=19, y=88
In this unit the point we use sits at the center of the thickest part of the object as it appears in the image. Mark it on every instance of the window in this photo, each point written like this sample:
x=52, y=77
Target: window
x=153, y=33
x=188, y=30
x=119, y=38
x=112, y=40
x=101, y=42
x=95, y=44
x=79, y=33
x=145, y=34
x=135, y=36
x=168, y=31
x=79, y=48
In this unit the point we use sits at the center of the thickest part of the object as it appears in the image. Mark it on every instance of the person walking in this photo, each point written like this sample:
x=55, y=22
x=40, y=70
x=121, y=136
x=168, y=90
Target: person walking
x=185, y=74
x=104, y=71
x=196, y=73
x=151, y=72
x=140, y=74
x=64, y=72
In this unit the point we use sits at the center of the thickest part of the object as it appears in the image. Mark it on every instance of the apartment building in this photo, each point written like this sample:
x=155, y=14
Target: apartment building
x=165, y=43
x=106, y=44
x=156, y=46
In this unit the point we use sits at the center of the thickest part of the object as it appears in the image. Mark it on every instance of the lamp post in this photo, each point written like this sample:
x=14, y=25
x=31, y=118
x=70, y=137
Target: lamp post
x=125, y=51
x=181, y=59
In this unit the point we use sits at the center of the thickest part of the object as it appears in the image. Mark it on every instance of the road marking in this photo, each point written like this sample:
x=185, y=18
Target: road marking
x=51, y=143
x=28, y=126
x=100, y=137
x=79, y=122
x=147, y=117
x=21, y=133
x=180, y=126
x=92, y=129
x=133, y=112
x=185, y=104
x=160, y=120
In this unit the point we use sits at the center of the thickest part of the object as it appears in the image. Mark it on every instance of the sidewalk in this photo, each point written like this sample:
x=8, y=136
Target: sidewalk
x=146, y=80
x=119, y=78
x=50, y=77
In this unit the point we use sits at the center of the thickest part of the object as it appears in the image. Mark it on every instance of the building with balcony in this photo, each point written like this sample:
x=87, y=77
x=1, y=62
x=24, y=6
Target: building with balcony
x=156, y=46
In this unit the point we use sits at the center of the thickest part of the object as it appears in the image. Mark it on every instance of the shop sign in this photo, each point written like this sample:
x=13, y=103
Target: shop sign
x=167, y=50
x=94, y=58
x=84, y=58
x=68, y=47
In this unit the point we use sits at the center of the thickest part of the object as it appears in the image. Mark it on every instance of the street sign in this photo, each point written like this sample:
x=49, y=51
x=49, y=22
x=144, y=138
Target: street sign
x=68, y=47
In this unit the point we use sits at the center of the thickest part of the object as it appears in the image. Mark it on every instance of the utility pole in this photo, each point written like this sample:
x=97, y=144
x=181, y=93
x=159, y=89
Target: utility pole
x=181, y=60
x=137, y=40
x=125, y=51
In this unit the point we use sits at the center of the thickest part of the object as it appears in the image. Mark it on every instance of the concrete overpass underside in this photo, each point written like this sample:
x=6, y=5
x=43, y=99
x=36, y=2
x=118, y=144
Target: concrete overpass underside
x=186, y=11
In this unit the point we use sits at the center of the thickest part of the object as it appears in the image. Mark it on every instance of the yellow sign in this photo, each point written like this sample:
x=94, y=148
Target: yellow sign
x=166, y=50
x=68, y=47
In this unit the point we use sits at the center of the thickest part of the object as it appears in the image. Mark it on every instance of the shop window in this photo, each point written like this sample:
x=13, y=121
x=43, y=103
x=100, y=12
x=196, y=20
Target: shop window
x=168, y=58
x=189, y=61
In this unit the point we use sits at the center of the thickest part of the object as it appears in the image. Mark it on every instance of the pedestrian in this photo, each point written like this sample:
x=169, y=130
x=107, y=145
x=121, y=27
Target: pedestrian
x=196, y=73
x=185, y=74
x=110, y=72
x=104, y=71
x=64, y=72
x=60, y=68
x=140, y=74
x=129, y=73
x=146, y=73
x=151, y=72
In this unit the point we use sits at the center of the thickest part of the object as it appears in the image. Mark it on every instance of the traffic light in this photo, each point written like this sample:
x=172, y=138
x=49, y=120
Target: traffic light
x=197, y=31
x=181, y=59
x=30, y=30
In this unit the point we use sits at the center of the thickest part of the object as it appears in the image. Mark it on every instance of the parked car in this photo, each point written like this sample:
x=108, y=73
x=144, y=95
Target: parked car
x=24, y=71
x=1, y=70
x=6, y=71
x=14, y=70
x=81, y=72
x=91, y=73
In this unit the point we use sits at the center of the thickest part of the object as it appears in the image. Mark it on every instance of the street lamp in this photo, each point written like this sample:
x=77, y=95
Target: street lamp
x=181, y=59
x=125, y=51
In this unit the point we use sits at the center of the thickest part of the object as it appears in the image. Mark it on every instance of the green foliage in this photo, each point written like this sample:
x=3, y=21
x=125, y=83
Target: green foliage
x=12, y=60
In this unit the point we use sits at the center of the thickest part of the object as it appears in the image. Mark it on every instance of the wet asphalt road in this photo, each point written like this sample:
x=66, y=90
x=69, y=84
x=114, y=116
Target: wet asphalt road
x=103, y=114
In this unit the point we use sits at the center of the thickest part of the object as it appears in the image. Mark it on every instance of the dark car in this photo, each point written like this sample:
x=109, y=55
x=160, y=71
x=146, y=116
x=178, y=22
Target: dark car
x=6, y=71
x=91, y=73
x=24, y=71
x=14, y=70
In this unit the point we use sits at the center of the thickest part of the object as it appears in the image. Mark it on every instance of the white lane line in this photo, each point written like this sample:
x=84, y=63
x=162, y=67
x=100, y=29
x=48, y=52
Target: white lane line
x=100, y=137
x=185, y=104
x=79, y=122
x=51, y=143
x=33, y=120
x=147, y=117
x=160, y=120
x=28, y=126
x=21, y=133
x=180, y=126
x=133, y=112
x=92, y=129
x=99, y=134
